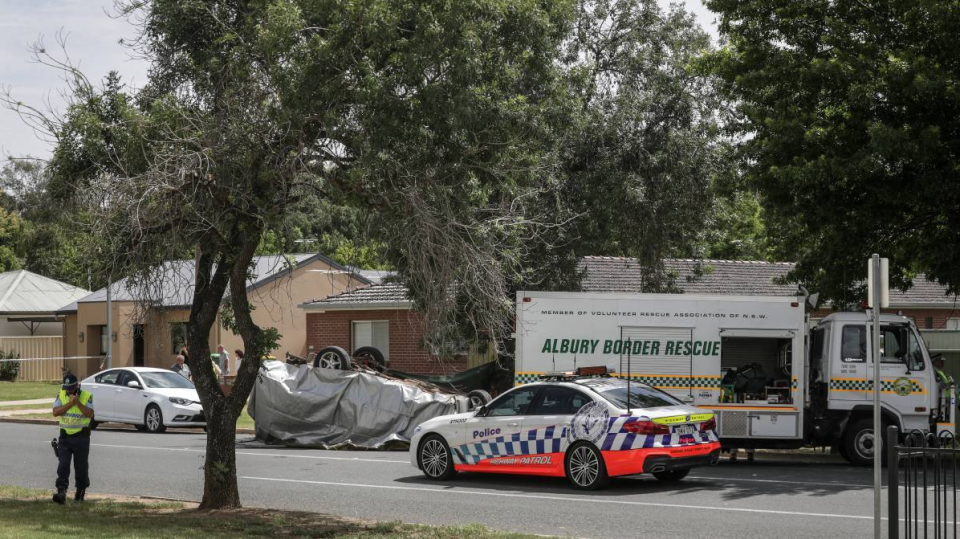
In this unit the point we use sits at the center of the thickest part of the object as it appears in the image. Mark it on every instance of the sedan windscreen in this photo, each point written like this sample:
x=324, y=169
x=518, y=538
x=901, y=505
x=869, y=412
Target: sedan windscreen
x=640, y=397
x=165, y=380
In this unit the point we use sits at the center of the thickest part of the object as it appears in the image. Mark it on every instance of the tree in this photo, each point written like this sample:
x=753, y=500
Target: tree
x=437, y=118
x=642, y=155
x=850, y=132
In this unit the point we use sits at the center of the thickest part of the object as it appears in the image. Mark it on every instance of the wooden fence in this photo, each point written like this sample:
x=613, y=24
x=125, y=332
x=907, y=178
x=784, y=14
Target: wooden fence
x=49, y=348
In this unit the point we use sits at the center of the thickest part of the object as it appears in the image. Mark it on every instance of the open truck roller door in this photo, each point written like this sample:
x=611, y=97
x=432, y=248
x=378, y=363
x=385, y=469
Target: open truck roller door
x=750, y=359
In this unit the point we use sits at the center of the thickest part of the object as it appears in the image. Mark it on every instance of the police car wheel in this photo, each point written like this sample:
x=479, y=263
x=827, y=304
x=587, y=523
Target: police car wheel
x=585, y=468
x=153, y=419
x=435, y=458
x=672, y=475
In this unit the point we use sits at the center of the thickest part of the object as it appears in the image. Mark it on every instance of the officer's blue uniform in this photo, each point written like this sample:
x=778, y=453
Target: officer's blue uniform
x=74, y=441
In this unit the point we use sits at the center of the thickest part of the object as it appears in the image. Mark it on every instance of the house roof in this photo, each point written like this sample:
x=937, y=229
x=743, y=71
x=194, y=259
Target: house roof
x=377, y=296
x=732, y=277
x=25, y=292
x=175, y=289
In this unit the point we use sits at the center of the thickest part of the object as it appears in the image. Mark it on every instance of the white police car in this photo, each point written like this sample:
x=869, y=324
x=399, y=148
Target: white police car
x=584, y=428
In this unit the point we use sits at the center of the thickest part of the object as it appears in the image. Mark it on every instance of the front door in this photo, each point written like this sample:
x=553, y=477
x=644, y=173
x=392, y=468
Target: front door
x=848, y=373
x=489, y=439
x=548, y=423
x=138, y=345
x=127, y=405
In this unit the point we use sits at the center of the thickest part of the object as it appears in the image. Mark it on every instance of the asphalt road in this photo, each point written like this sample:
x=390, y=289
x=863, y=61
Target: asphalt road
x=741, y=500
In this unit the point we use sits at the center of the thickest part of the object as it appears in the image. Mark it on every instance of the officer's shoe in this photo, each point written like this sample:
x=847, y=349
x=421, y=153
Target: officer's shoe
x=78, y=497
x=61, y=496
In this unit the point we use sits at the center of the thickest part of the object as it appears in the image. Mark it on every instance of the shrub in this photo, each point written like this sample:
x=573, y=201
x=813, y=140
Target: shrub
x=9, y=369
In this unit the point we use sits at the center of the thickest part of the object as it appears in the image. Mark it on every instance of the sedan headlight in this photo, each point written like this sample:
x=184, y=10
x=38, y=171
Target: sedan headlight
x=180, y=401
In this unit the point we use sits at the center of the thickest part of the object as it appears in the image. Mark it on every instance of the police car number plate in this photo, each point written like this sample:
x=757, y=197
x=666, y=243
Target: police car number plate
x=684, y=429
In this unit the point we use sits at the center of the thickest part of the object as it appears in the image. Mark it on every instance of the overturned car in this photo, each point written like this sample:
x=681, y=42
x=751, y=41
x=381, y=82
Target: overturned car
x=311, y=406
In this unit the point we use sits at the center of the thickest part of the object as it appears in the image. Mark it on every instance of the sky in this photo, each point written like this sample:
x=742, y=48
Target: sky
x=93, y=42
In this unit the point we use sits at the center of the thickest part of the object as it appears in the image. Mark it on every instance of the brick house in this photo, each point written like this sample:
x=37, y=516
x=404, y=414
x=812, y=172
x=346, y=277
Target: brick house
x=380, y=315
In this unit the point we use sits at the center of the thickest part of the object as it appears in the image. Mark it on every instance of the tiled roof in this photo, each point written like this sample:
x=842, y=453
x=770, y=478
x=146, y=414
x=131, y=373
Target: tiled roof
x=25, y=292
x=176, y=287
x=387, y=295
x=729, y=277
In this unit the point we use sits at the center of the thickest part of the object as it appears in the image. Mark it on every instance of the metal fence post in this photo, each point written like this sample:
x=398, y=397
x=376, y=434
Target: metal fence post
x=893, y=482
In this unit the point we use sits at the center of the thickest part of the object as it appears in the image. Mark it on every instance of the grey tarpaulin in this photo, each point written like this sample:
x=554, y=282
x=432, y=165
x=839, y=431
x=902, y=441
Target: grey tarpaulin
x=304, y=406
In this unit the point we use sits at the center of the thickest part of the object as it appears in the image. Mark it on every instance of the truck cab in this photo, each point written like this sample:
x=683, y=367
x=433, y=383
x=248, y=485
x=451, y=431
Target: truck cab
x=841, y=372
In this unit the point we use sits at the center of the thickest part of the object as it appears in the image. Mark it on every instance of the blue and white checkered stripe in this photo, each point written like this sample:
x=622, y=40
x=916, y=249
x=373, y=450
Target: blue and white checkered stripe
x=551, y=439
x=618, y=439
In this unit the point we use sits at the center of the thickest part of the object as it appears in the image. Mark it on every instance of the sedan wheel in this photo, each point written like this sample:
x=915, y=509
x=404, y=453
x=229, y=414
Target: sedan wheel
x=435, y=459
x=585, y=468
x=153, y=419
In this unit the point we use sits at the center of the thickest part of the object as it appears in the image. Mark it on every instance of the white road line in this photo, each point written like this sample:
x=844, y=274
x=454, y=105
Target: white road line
x=251, y=454
x=577, y=499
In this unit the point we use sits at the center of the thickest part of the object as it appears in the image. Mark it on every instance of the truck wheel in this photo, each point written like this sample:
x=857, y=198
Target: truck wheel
x=585, y=468
x=672, y=476
x=435, y=458
x=332, y=357
x=372, y=356
x=860, y=443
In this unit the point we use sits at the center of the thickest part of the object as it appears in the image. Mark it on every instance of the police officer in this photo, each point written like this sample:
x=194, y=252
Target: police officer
x=74, y=407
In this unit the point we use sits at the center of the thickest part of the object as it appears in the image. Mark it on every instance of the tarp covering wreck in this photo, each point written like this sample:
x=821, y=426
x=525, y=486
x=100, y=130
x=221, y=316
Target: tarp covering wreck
x=313, y=407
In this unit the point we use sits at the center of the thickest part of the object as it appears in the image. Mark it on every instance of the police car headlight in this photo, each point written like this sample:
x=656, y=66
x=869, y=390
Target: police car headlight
x=181, y=402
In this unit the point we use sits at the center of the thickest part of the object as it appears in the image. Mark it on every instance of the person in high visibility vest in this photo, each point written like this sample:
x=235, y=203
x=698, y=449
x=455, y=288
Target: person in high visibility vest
x=74, y=407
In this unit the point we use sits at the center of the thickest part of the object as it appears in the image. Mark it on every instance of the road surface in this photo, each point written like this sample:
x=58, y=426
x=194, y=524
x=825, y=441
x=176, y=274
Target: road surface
x=741, y=500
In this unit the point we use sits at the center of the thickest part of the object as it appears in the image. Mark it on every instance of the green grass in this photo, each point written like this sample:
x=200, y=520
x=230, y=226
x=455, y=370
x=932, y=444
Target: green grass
x=29, y=514
x=24, y=407
x=17, y=391
x=243, y=422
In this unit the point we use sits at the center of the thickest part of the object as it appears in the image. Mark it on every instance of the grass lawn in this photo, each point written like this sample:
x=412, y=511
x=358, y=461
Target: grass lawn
x=29, y=514
x=16, y=391
x=24, y=407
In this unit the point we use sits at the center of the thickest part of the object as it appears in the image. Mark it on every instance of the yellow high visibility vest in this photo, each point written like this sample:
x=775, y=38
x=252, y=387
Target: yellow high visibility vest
x=74, y=421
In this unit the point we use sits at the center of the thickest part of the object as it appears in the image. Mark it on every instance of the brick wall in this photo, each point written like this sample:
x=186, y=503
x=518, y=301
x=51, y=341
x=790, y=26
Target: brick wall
x=332, y=328
x=919, y=316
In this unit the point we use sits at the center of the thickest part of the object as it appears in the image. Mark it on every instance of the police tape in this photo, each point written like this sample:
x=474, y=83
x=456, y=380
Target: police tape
x=49, y=358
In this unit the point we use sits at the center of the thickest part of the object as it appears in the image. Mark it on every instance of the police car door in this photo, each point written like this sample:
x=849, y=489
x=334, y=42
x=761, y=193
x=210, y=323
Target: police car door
x=493, y=433
x=548, y=421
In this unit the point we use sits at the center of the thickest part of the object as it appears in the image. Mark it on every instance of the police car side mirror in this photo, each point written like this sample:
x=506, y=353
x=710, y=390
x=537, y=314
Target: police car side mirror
x=134, y=384
x=481, y=411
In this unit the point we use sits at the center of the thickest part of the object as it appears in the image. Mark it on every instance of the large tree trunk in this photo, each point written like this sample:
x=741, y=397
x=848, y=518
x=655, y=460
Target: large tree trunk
x=220, y=490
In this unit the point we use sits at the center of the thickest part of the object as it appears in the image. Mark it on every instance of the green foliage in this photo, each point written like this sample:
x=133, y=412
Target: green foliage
x=735, y=229
x=9, y=369
x=850, y=118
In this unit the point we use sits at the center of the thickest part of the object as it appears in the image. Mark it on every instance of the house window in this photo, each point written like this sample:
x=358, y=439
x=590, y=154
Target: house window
x=103, y=340
x=178, y=336
x=953, y=323
x=373, y=333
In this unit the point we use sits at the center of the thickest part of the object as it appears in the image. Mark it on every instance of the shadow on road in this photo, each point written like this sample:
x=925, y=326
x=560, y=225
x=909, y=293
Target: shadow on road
x=731, y=481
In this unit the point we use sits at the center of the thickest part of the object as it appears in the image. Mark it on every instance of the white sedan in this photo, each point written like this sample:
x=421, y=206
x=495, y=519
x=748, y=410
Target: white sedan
x=151, y=399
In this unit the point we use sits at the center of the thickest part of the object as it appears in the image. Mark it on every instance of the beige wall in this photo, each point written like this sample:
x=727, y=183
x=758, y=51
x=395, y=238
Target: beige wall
x=276, y=304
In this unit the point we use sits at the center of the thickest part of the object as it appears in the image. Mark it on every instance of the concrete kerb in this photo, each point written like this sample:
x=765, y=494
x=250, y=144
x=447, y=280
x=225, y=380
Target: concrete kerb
x=34, y=421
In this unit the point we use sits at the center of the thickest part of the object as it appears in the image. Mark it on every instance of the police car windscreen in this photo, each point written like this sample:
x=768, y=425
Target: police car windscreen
x=165, y=380
x=640, y=397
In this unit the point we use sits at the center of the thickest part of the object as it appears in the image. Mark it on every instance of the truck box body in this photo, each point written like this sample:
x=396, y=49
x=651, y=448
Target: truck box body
x=682, y=344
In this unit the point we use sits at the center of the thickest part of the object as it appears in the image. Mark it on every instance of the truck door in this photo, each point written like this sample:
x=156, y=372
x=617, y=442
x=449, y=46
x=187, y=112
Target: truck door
x=848, y=370
x=904, y=375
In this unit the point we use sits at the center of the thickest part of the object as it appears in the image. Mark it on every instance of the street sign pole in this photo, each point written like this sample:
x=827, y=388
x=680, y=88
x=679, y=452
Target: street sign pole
x=877, y=293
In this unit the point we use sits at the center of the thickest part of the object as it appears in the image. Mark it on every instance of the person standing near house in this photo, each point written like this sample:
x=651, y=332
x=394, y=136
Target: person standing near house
x=239, y=354
x=74, y=407
x=224, y=359
x=181, y=368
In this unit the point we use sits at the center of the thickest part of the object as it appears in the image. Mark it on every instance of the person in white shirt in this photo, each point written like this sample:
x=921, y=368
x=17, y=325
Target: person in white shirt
x=181, y=368
x=224, y=360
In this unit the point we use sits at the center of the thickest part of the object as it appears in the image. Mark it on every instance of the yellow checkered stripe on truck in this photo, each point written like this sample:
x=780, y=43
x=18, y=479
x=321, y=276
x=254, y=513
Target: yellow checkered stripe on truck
x=663, y=381
x=862, y=384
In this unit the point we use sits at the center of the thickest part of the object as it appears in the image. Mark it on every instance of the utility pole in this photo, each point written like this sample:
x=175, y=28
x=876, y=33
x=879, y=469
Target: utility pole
x=879, y=297
x=109, y=326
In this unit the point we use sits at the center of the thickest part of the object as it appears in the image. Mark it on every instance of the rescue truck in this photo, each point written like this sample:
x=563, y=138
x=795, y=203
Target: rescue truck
x=771, y=381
